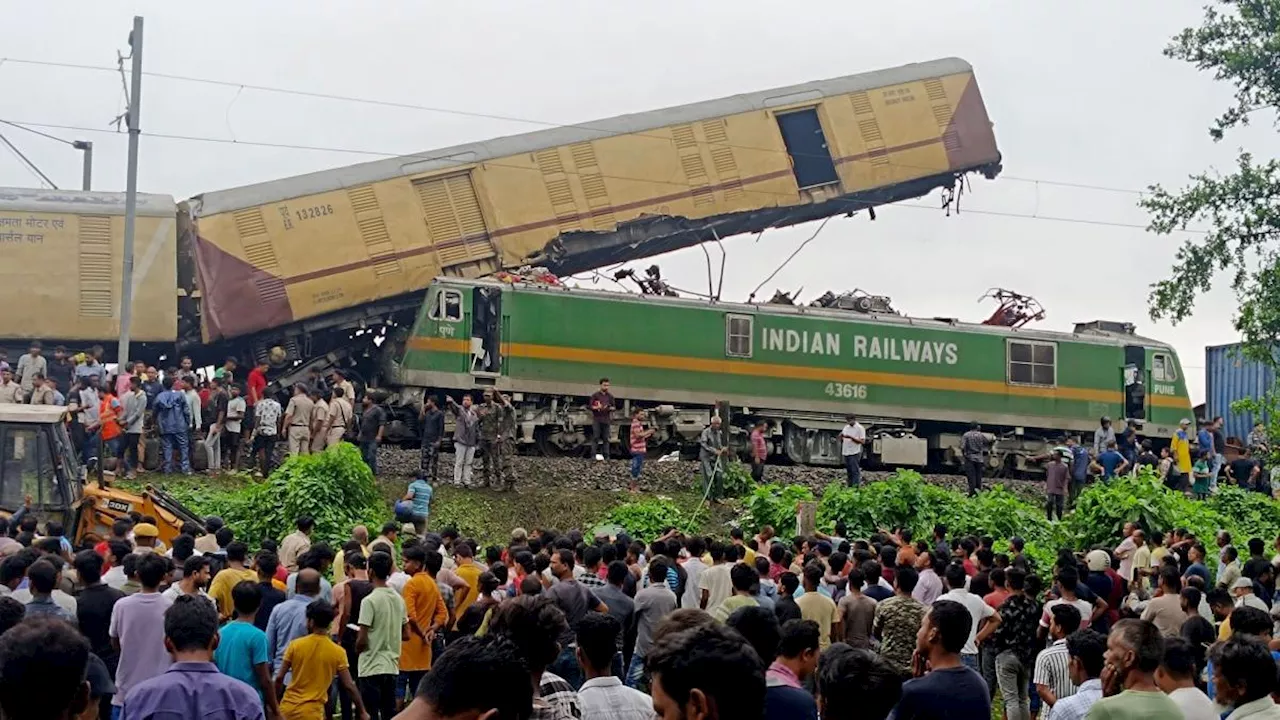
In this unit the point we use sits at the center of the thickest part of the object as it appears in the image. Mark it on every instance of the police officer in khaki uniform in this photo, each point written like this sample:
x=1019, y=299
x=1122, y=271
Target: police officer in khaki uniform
x=319, y=416
x=340, y=414
x=297, y=420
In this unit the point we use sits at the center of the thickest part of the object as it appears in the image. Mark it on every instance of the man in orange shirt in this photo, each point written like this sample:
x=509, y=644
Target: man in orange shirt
x=112, y=434
x=427, y=614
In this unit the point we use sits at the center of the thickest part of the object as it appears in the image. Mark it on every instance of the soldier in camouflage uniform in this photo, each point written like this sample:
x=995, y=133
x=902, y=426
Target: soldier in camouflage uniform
x=506, y=445
x=490, y=413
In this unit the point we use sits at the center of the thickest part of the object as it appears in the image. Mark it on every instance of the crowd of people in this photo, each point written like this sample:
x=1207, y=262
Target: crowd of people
x=235, y=419
x=420, y=625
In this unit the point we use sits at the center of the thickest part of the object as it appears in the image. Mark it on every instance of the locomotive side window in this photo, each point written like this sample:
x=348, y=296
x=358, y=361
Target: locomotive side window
x=446, y=305
x=737, y=335
x=1033, y=363
x=1162, y=369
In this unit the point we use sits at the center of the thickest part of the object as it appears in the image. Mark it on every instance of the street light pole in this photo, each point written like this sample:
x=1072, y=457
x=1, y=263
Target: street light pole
x=131, y=194
x=87, y=182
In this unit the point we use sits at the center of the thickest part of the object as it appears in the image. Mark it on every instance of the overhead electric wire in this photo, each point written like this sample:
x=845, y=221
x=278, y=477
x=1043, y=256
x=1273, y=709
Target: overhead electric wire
x=37, y=132
x=372, y=153
x=487, y=116
x=24, y=160
x=790, y=257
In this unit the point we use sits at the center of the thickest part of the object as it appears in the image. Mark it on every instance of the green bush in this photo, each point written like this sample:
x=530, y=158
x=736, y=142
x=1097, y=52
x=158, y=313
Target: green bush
x=773, y=504
x=1104, y=507
x=647, y=519
x=1250, y=514
x=737, y=479
x=902, y=501
x=335, y=487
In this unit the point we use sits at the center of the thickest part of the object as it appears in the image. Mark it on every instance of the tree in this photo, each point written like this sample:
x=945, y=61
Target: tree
x=1239, y=42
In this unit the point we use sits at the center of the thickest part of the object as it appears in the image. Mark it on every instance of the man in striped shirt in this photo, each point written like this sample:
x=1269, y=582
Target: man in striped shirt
x=1053, y=673
x=1086, y=650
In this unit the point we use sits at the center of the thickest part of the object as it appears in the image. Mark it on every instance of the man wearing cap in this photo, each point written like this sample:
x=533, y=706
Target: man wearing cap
x=1097, y=580
x=1104, y=435
x=145, y=536
x=1242, y=591
x=1180, y=445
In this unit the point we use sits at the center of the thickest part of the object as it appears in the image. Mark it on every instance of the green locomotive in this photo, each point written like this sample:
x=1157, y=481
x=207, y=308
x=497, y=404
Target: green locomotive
x=914, y=383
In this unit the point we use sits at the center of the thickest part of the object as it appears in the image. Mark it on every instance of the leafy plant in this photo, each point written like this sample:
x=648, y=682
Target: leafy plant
x=737, y=479
x=1249, y=514
x=335, y=487
x=773, y=504
x=902, y=501
x=647, y=519
x=1104, y=507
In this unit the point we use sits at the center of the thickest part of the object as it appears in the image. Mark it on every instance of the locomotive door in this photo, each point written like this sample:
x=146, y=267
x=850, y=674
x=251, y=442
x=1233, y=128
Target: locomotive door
x=486, y=331
x=1134, y=381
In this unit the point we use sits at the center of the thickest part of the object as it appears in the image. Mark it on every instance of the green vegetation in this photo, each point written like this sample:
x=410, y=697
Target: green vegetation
x=338, y=490
x=773, y=505
x=335, y=487
x=1239, y=207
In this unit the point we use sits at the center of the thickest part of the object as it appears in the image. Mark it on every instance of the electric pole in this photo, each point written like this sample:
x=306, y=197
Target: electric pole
x=86, y=183
x=131, y=194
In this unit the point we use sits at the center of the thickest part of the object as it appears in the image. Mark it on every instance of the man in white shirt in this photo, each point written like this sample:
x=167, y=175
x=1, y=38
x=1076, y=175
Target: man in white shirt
x=195, y=576
x=603, y=696
x=852, y=438
x=694, y=567
x=985, y=618
x=1052, y=675
x=1176, y=677
x=1125, y=550
x=714, y=584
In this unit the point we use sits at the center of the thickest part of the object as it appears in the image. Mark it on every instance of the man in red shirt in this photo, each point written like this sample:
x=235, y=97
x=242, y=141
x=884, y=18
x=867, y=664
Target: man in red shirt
x=759, y=450
x=256, y=386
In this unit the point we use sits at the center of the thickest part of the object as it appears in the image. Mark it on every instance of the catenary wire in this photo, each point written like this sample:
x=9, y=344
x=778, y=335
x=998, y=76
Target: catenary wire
x=25, y=161
x=373, y=153
x=37, y=132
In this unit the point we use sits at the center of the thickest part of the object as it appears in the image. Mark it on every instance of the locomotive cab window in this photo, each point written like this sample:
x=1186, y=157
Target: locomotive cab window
x=1033, y=363
x=737, y=335
x=1162, y=369
x=446, y=305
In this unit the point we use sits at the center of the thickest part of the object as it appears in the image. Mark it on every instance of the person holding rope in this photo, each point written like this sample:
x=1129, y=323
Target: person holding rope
x=712, y=454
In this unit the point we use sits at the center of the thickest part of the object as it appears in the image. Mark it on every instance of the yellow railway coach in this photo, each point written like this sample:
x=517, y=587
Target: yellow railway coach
x=339, y=243
x=61, y=258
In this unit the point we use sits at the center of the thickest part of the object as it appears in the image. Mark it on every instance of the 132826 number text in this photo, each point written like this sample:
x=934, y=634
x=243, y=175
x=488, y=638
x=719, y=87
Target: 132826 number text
x=310, y=213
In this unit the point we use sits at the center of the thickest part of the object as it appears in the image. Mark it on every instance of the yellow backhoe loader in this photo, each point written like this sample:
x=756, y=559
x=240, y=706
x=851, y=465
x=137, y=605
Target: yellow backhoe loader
x=39, y=461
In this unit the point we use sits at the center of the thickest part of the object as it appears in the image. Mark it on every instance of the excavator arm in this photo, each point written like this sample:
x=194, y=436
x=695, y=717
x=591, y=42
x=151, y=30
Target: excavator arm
x=100, y=506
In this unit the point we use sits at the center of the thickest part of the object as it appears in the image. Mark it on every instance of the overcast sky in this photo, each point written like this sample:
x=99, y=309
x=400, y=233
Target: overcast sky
x=1079, y=93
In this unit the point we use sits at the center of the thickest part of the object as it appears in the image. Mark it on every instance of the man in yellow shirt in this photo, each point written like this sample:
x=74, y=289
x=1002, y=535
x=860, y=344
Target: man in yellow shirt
x=360, y=534
x=235, y=572
x=314, y=660
x=1180, y=444
x=819, y=608
x=469, y=572
x=735, y=536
